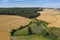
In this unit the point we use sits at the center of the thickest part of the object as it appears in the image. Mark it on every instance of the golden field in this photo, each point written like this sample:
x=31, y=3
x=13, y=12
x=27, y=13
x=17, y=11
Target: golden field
x=8, y=23
x=51, y=16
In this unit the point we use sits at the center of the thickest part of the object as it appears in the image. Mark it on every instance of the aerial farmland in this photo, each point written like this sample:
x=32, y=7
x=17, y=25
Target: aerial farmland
x=29, y=24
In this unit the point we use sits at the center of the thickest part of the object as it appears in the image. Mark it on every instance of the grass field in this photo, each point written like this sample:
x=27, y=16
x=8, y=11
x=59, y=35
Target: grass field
x=31, y=37
x=38, y=32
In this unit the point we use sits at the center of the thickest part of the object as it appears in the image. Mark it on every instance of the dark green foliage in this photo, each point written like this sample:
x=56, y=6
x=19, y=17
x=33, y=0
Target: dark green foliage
x=52, y=36
x=44, y=33
x=21, y=27
x=29, y=31
x=12, y=32
x=26, y=12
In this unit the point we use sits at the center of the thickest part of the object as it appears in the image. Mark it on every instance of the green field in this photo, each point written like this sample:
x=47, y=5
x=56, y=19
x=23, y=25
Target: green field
x=31, y=37
x=35, y=31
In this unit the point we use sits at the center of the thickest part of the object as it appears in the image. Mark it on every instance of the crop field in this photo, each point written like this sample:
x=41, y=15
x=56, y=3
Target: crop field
x=30, y=24
x=8, y=23
x=4, y=35
x=51, y=16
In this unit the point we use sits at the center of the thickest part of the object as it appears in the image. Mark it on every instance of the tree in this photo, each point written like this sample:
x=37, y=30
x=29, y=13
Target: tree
x=29, y=31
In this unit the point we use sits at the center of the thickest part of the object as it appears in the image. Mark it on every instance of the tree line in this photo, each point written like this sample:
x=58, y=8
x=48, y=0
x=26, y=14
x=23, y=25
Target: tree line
x=26, y=12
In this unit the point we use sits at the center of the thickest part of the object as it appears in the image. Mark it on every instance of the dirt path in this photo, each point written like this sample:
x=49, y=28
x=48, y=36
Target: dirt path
x=8, y=23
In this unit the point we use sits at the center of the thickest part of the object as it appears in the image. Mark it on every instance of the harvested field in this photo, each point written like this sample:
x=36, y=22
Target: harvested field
x=4, y=35
x=8, y=23
x=56, y=23
x=51, y=16
x=49, y=19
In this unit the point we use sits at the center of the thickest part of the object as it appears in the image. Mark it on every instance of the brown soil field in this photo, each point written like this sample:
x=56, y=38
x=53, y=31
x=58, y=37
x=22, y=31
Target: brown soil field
x=8, y=23
x=51, y=16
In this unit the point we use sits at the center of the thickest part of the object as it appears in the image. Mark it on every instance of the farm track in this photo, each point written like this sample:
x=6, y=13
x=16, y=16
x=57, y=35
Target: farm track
x=8, y=23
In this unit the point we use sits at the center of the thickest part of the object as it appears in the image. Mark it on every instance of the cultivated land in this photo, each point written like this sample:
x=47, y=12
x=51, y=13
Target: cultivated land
x=8, y=23
x=51, y=16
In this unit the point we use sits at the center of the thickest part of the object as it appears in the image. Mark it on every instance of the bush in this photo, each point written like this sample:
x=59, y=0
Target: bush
x=12, y=32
